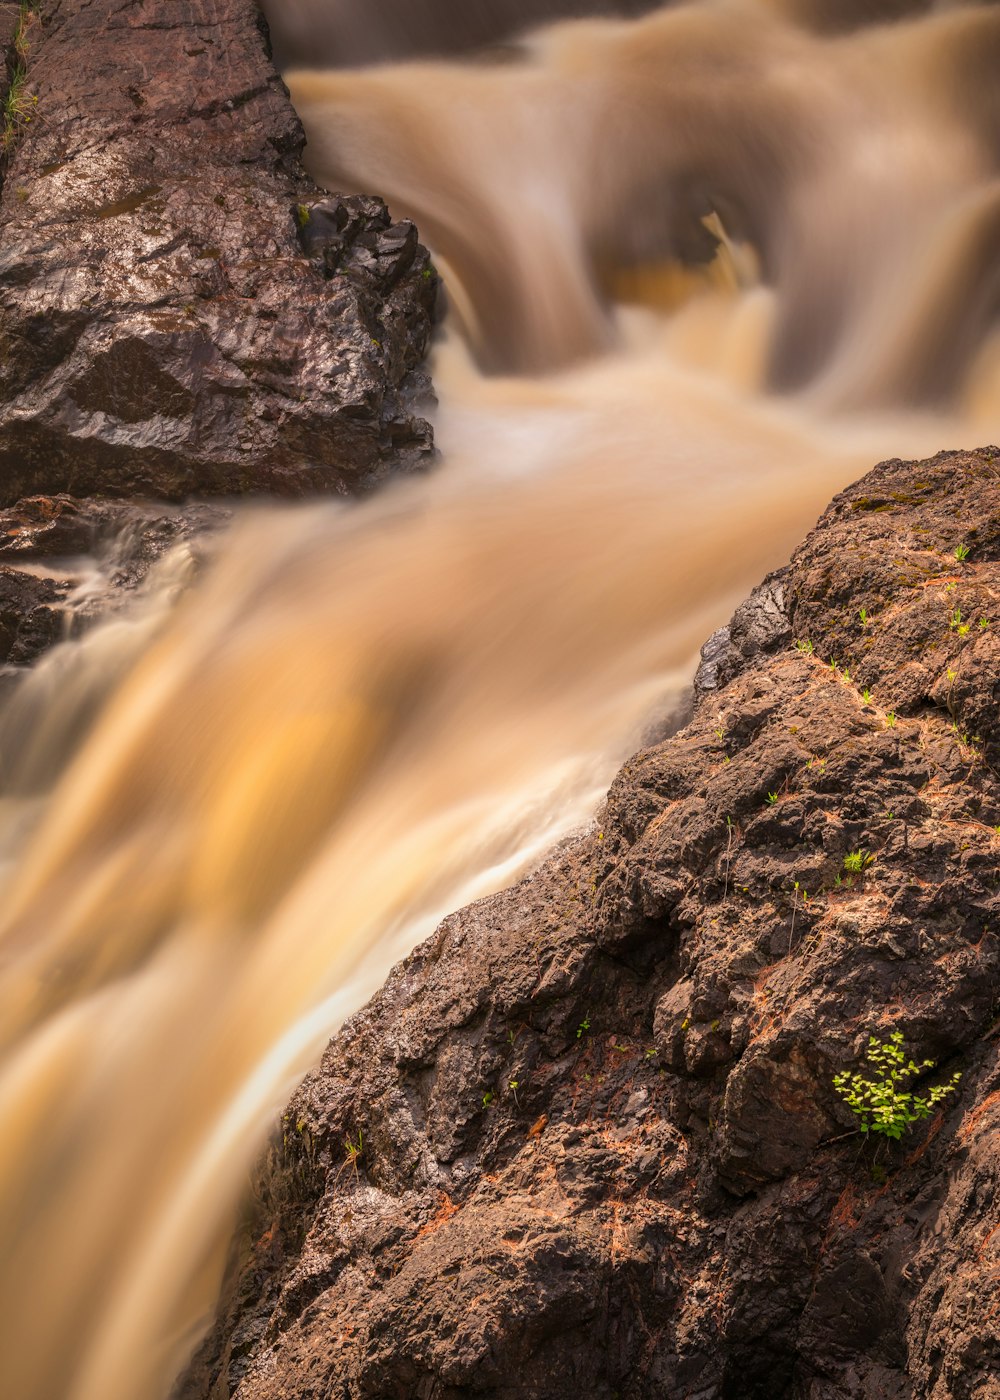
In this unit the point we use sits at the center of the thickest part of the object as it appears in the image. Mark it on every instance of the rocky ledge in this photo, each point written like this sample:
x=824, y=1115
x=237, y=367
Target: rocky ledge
x=586, y=1141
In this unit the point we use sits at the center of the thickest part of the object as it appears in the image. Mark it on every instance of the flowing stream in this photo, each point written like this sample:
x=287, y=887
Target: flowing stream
x=705, y=267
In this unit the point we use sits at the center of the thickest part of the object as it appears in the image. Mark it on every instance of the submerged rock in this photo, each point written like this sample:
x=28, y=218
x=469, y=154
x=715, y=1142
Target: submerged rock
x=164, y=329
x=601, y=1150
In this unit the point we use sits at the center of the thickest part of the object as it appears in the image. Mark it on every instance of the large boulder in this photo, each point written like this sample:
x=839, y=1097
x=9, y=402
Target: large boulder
x=586, y=1141
x=166, y=324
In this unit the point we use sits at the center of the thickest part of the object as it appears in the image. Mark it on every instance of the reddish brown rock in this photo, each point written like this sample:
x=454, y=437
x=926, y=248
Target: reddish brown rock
x=673, y=1202
x=163, y=328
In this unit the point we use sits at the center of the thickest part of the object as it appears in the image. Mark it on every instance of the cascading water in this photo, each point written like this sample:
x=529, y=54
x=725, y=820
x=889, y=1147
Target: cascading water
x=362, y=716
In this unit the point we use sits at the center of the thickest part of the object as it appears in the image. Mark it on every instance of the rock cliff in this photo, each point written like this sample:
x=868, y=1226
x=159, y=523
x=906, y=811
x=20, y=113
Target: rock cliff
x=586, y=1141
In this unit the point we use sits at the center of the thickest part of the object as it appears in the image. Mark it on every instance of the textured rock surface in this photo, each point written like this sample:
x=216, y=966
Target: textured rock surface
x=163, y=327
x=602, y=1154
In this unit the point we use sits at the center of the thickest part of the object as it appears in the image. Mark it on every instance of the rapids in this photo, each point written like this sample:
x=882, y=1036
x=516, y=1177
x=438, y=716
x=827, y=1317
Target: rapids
x=704, y=267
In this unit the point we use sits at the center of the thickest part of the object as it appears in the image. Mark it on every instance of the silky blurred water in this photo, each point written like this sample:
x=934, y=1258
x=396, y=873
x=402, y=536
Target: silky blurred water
x=704, y=268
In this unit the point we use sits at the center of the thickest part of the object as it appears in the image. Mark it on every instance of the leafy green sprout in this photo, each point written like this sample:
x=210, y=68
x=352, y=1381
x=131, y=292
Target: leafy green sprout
x=866, y=696
x=865, y=616
x=881, y=1099
x=583, y=1027
x=984, y=623
x=962, y=552
x=856, y=861
x=805, y=646
x=772, y=798
x=890, y=718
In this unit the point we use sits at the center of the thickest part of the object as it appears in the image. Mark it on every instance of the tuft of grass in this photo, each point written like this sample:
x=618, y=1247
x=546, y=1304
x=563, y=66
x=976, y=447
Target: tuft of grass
x=855, y=861
x=962, y=552
x=19, y=104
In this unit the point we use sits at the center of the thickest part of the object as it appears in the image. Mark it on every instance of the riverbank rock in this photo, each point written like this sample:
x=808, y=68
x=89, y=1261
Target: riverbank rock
x=66, y=564
x=586, y=1141
x=170, y=323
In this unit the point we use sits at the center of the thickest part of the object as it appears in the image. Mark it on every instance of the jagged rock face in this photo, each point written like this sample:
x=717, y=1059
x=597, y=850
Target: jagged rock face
x=602, y=1152
x=164, y=329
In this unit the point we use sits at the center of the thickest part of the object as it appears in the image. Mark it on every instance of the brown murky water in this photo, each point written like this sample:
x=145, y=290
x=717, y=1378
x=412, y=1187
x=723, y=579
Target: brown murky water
x=705, y=267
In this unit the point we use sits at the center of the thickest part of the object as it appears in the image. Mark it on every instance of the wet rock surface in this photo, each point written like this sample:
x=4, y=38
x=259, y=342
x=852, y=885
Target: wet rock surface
x=166, y=326
x=67, y=563
x=585, y=1142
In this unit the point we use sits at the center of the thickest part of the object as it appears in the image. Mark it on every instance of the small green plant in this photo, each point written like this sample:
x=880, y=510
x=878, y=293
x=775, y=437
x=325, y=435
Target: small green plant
x=984, y=623
x=354, y=1151
x=865, y=616
x=796, y=892
x=890, y=718
x=487, y=1098
x=856, y=861
x=955, y=621
x=805, y=646
x=880, y=1099
x=962, y=552
x=772, y=798
x=583, y=1027
x=866, y=696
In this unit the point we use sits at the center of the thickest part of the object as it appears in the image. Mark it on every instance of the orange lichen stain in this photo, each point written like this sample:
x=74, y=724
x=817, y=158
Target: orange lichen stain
x=932, y=1133
x=989, y=1235
x=844, y=1216
x=446, y=1209
x=538, y=1126
x=973, y=1116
